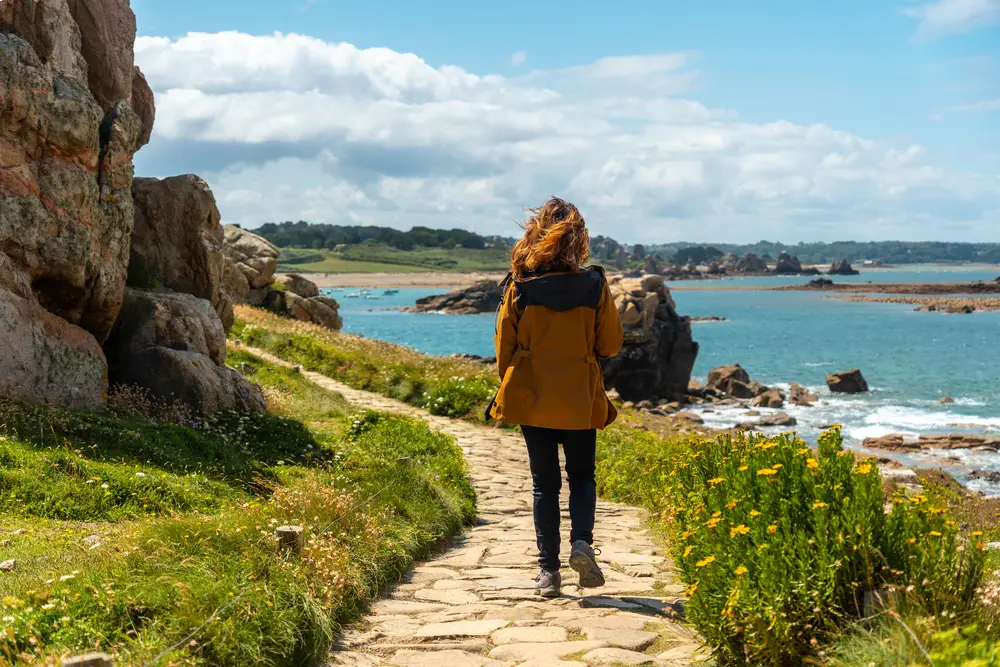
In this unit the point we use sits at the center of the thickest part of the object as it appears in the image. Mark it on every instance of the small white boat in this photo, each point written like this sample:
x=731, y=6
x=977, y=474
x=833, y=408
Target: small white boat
x=372, y=297
x=352, y=296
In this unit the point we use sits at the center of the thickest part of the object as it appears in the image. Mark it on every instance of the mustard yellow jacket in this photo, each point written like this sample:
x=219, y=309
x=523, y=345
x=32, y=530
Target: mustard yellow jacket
x=551, y=330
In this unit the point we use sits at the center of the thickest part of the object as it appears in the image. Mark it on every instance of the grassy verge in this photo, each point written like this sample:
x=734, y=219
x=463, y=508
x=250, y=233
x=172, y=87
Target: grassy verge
x=779, y=544
x=372, y=258
x=129, y=530
x=448, y=387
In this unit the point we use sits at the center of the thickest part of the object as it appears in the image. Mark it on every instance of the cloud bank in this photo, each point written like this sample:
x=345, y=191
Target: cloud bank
x=286, y=126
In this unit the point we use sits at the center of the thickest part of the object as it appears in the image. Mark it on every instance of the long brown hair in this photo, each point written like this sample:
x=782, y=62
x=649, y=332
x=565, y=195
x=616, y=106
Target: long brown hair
x=555, y=239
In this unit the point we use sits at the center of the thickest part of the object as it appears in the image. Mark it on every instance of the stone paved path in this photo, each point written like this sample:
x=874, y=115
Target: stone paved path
x=475, y=605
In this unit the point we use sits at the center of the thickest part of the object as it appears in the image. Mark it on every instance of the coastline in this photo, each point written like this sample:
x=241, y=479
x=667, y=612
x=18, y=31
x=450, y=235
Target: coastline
x=942, y=304
x=401, y=280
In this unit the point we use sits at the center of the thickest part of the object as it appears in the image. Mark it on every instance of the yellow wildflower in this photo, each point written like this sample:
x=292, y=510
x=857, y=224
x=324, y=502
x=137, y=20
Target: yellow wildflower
x=686, y=534
x=692, y=589
x=716, y=515
x=976, y=533
x=711, y=523
x=687, y=550
x=740, y=571
x=705, y=561
x=738, y=530
x=864, y=469
x=742, y=468
x=777, y=466
x=772, y=529
x=911, y=540
x=934, y=533
x=716, y=480
x=804, y=450
x=754, y=513
x=731, y=505
x=819, y=504
x=766, y=472
x=812, y=463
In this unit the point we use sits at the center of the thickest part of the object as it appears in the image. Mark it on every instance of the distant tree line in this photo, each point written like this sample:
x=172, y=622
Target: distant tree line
x=604, y=249
x=887, y=252
x=302, y=234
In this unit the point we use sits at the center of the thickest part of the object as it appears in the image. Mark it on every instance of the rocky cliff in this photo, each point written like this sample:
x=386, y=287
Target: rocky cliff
x=69, y=132
x=483, y=297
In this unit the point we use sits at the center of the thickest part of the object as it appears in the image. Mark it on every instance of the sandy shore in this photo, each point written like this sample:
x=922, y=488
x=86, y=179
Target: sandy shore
x=939, y=304
x=428, y=279
x=924, y=289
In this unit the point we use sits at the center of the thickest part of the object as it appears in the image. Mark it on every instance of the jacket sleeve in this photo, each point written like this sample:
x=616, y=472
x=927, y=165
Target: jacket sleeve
x=505, y=338
x=610, y=333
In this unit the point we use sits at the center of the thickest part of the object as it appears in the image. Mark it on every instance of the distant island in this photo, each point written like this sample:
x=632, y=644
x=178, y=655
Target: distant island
x=324, y=248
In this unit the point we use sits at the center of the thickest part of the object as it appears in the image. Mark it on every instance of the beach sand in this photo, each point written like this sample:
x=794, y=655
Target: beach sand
x=428, y=279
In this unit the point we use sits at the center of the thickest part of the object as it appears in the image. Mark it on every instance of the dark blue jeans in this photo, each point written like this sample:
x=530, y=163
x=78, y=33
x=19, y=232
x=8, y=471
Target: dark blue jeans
x=543, y=455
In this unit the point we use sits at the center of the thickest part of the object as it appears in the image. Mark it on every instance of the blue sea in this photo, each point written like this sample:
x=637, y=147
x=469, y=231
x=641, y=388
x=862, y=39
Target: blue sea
x=910, y=359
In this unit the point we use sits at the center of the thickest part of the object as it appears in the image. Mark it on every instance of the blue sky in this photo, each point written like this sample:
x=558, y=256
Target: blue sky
x=913, y=86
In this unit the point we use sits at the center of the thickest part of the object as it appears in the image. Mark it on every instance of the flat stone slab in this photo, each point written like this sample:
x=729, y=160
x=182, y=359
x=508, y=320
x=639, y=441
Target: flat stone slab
x=450, y=658
x=632, y=640
x=535, y=635
x=537, y=651
x=398, y=607
x=429, y=575
x=613, y=622
x=684, y=654
x=447, y=597
x=460, y=629
x=454, y=585
x=603, y=602
x=618, y=656
x=543, y=662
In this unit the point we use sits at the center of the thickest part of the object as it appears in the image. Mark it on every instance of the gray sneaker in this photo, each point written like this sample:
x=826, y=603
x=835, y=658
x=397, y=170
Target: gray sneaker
x=583, y=561
x=548, y=584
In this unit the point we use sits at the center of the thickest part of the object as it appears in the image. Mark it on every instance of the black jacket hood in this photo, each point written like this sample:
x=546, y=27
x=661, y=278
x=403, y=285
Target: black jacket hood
x=562, y=291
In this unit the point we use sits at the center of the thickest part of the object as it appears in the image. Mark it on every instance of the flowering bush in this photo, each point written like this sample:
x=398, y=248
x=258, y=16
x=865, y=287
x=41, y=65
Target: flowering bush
x=458, y=396
x=779, y=543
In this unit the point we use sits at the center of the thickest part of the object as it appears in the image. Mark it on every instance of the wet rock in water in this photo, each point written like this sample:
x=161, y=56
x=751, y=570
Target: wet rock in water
x=777, y=419
x=959, y=309
x=799, y=395
x=902, y=443
x=944, y=400
x=820, y=283
x=659, y=352
x=254, y=256
x=847, y=382
x=788, y=264
x=483, y=297
x=711, y=318
x=689, y=417
x=843, y=268
x=772, y=398
x=174, y=346
x=734, y=381
x=717, y=376
x=177, y=241
x=990, y=476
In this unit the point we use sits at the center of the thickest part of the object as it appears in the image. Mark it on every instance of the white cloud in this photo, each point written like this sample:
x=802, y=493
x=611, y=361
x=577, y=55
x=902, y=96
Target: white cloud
x=291, y=127
x=949, y=17
x=518, y=58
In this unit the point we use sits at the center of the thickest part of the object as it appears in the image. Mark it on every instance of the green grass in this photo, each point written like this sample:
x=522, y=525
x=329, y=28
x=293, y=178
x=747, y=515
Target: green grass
x=193, y=534
x=374, y=258
x=449, y=387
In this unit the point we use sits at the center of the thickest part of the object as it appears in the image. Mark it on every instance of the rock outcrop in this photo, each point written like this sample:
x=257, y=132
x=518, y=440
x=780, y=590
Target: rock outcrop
x=772, y=398
x=902, y=443
x=842, y=268
x=799, y=395
x=66, y=210
x=847, y=382
x=144, y=106
x=483, y=297
x=177, y=242
x=174, y=345
x=659, y=352
x=248, y=277
x=751, y=263
x=769, y=421
x=788, y=264
x=733, y=381
x=255, y=257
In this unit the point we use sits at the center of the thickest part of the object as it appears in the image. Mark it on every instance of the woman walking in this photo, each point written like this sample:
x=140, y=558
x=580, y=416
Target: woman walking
x=556, y=320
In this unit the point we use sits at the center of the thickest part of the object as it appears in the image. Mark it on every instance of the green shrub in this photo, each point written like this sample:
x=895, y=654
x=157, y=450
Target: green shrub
x=459, y=396
x=778, y=543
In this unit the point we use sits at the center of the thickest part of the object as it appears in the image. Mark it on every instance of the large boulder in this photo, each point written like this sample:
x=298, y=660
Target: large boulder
x=65, y=200
x=730, y=262
x=721, y=375
x=177, y=242
x=772, y=398
x=799, y=395
x=751, y=263
x=483, y=297
x=174, y=346
x=659, y=351
x=255, y=257
x=234, y=282
x=788, y=264
x=321, y=310
x=296, y=284
x=847, y=382
x=842, y=268
x=144, y=106
x=46, y=359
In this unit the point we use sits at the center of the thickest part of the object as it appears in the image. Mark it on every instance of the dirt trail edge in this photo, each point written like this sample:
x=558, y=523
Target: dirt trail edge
x=474, y=605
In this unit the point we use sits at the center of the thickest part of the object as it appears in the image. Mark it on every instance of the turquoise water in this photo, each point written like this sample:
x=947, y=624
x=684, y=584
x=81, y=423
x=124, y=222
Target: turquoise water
x=910, y=359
